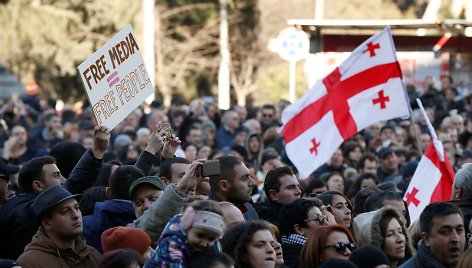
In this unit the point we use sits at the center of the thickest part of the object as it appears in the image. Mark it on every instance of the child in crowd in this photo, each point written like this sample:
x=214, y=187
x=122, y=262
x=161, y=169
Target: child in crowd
x=196, y=230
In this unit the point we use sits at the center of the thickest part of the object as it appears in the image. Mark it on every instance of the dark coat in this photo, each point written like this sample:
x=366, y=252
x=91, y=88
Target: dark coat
x=268, y=211
x=291, y=253
x=424, y=259
x=17, y=225
x=465, y=205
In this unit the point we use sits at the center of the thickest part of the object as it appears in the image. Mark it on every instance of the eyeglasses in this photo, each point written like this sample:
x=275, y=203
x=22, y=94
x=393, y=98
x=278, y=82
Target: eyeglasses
x=469, y=235
x=321, y=219
x=340, y=247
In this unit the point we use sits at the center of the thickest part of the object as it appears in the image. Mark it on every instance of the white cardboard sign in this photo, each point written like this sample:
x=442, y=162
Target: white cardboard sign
x=115, y=78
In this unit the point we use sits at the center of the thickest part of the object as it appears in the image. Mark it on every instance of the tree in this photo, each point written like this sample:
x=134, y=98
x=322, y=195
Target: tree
x=46, y=40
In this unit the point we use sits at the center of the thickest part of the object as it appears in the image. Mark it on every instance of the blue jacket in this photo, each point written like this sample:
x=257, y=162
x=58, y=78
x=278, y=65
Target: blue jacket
x=107, y=214
x=424, y=259
x=223, y=138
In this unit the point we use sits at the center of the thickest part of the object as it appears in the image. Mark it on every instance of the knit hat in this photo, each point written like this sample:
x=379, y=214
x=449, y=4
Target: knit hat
x=121, y=237
x=369, y=257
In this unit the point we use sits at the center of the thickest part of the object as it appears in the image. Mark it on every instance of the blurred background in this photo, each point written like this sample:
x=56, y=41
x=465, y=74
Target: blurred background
x=45, y=40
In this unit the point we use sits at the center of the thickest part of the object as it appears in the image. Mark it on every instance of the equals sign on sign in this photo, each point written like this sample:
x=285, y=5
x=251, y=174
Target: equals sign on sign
x=113, y=79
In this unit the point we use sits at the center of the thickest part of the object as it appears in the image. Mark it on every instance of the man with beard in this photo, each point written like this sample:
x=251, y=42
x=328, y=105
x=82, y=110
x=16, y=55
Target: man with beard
x=58, y=242
x=234, y=185
x=442, y=237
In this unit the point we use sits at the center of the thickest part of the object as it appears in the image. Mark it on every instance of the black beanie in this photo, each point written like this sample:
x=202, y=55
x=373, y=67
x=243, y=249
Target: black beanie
x=369, y=257
x=338, y=263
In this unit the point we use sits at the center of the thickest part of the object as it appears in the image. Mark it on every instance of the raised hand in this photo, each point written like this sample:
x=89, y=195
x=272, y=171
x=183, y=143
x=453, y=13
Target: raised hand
x=155, y=141
x=191, y=177
x=170, y=147
x=101, y=141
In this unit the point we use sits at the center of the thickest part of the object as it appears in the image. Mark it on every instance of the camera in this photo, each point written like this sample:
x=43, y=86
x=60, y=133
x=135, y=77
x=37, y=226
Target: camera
x=210, y=168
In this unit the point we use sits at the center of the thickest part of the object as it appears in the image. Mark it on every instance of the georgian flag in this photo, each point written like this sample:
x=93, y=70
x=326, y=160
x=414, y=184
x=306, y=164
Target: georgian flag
x=433, y=178
x=364, y=89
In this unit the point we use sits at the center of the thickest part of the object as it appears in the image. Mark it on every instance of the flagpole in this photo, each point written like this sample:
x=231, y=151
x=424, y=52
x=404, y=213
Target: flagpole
x=437, y=143
x=417, y=137
x=428, y=123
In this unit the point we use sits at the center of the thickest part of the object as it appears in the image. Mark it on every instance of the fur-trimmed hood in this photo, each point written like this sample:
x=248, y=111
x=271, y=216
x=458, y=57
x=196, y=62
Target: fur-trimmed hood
x=367, y=231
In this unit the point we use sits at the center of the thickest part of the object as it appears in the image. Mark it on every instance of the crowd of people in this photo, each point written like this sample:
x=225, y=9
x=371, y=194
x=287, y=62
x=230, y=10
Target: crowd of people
x=77, y=194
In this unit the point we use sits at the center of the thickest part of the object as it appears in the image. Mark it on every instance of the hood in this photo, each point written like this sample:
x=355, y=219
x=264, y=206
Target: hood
x=367, y=231
x=42, y=242
x=246, y=142
x=110, y=213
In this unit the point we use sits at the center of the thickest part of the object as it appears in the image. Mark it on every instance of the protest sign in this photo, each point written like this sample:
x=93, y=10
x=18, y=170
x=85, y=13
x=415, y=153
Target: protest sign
x=115, y=78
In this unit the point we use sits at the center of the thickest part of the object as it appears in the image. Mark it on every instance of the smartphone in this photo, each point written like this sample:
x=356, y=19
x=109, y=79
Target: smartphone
x=210, y=168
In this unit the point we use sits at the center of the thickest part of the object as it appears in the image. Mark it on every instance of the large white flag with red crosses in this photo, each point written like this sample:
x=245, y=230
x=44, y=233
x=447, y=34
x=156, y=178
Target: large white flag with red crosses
x=433, y=178
x=364, y=89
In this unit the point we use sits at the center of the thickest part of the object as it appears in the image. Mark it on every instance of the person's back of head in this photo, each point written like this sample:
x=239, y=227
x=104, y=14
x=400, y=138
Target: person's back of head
x=104, y=174
x=91, y=196
x=121, y=258
x=121, y=181
x=338, y=263
x=462, y=186
x=211, y=259
x=33, y=171
x=67, y=155
x=374, y=201
x=369, y=257
x=361, y=198
x=232, y=215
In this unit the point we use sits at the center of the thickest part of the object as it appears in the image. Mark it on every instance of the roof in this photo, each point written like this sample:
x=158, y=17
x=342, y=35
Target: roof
x=402, y=27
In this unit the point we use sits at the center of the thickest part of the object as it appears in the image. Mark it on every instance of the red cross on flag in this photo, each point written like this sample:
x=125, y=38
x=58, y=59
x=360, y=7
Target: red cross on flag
x=364, y=89
x=433, y=178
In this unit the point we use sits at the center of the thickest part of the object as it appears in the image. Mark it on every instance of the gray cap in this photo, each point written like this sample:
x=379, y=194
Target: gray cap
x=152, y=180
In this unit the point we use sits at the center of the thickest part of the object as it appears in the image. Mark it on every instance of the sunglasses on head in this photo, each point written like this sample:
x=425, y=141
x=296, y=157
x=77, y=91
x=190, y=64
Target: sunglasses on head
x=340, y=247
